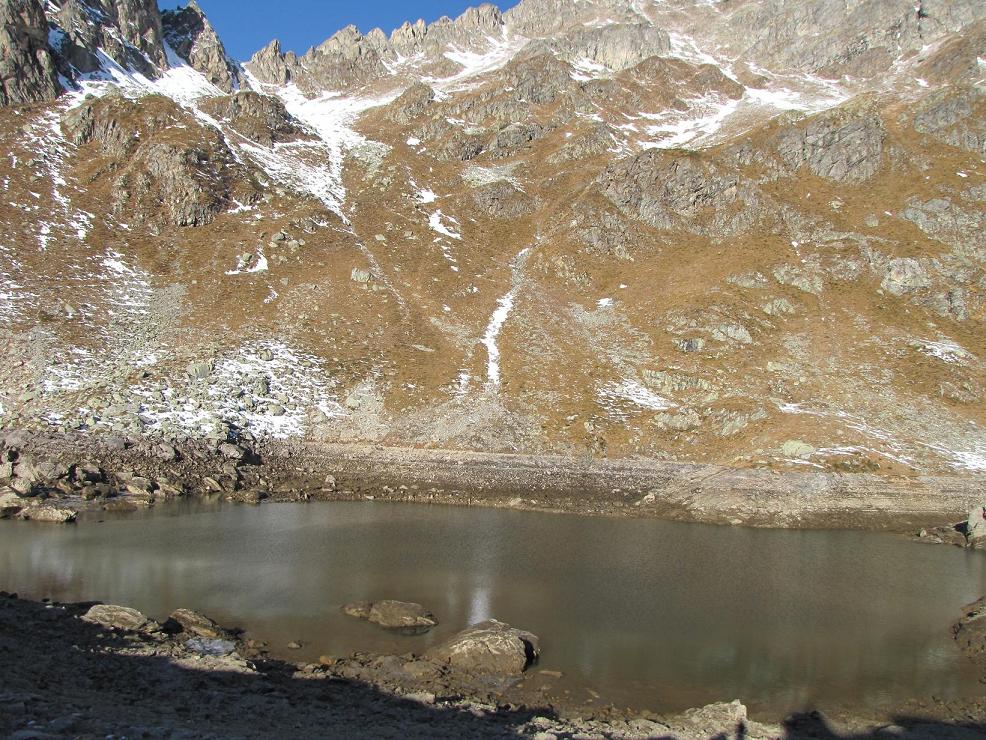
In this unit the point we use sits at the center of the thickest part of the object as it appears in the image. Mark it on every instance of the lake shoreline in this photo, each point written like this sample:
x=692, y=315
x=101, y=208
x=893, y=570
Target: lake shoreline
x=140, y=471
x=66, y=676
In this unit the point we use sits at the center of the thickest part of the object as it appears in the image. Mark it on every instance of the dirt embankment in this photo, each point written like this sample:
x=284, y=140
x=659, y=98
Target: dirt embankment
x=99, y=471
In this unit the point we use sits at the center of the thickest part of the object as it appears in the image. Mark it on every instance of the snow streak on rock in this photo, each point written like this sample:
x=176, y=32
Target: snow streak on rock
x=503, y=308
x=615, y=396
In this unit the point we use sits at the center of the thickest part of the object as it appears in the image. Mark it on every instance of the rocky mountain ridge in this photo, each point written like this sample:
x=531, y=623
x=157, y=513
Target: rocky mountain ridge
x=731, y=232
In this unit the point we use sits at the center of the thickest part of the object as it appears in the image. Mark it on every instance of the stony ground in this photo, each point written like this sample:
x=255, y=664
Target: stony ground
x=71, y=471
x=66, y=677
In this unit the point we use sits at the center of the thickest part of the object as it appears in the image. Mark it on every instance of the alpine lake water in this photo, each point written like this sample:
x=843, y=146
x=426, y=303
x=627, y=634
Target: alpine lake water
x=646, y=614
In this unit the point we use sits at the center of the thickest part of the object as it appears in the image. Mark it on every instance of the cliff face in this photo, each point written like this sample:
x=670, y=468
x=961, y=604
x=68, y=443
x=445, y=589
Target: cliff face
x=743, y=233
x=27, y=70
x=193, y=38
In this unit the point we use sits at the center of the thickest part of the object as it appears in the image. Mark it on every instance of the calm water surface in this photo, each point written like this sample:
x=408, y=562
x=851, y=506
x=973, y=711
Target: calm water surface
x=649, y=614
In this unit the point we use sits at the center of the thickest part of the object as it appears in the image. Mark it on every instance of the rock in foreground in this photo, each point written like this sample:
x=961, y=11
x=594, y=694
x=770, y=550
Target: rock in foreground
x=489, y=648
x=186, y=620
x=403, y=616
x=117, y=617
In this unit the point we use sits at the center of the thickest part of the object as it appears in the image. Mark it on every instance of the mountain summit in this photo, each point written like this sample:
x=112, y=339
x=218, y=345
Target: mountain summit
x=724, y=231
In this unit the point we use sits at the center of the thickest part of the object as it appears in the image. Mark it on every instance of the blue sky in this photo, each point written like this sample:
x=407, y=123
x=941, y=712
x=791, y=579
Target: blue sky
x=247, y=25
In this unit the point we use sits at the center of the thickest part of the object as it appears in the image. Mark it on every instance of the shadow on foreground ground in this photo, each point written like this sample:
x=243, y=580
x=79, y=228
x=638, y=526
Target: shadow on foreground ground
x=61, y=677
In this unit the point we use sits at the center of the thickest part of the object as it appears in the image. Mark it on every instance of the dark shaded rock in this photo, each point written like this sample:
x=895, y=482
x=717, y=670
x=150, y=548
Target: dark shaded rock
x=488, y=648
x=186, y=620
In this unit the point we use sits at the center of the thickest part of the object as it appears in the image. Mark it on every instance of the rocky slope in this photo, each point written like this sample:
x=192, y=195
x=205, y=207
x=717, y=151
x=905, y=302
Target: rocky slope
x=743, y=233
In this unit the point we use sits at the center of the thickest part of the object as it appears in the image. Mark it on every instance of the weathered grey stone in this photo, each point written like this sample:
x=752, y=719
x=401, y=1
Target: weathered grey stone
x=839, y=146
x=797, y=449
x=975, y=527
x=118, y=617
x=10, y=503
x=488, y=648
x=213, y=647
x=402, y=616
x=905, y=275
x=27, y=70
x=200, y=370
x=186, y=620
x=726, y=332
x=48, y=513
x=193, y=38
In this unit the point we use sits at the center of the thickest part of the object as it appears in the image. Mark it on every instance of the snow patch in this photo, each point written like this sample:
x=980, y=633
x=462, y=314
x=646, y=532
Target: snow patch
x=435, y=221
x=614, y=394
x=504, y=306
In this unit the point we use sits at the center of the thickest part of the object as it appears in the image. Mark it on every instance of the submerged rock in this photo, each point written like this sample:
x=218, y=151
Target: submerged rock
x=118, y=617
x=489, y=648
x=402, y=616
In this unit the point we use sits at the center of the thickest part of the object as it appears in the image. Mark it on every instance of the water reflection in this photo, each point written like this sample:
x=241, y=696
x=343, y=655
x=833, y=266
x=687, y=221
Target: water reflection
x=647, y=613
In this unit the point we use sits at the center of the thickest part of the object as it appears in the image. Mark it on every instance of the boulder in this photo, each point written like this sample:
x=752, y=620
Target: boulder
x=200, y=370
x=10, y=504
x=905, y=275
x=48, y=513
x=186, y=620
x=231, y=451
x=207, y=646
x=402, y=616
x=488, y=648
x=975, y=526
x=116, y=617
x=797, y=449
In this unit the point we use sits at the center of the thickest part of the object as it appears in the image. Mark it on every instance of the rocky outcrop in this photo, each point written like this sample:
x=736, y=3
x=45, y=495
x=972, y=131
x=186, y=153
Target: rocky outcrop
x=668, y=191
x=261, y=118
x=185, y=182
x=955, y=116
x=489, y=648
x=841, y=146
x=272, y=66
x=128, y=31
x=27, y=70
x=193, y=38
x=616, y=47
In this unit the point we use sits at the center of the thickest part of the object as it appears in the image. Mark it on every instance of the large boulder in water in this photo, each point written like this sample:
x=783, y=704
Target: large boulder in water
x=403, y=616
x=48, y=513
x=975, y=526
x=489, y=648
